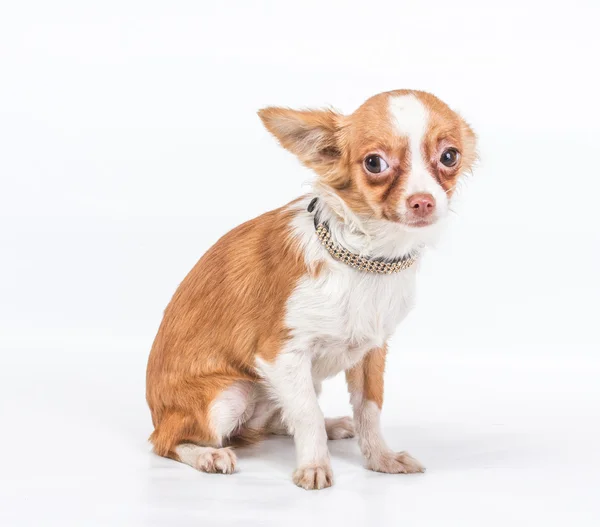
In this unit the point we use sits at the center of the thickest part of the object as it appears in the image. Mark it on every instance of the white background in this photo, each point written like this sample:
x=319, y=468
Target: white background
x=129, y=143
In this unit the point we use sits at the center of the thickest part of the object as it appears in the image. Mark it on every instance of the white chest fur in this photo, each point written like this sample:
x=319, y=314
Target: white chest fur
x=341, y=314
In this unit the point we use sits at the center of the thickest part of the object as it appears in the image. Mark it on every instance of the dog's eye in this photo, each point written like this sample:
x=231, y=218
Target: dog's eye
x=449, y=157
x=375, y=164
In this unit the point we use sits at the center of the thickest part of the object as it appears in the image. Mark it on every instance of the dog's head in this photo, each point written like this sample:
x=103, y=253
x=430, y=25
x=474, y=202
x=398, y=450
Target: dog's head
x=398, y=157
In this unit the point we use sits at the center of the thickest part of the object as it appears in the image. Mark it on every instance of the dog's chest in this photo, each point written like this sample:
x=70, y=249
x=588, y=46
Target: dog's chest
x=343, y=313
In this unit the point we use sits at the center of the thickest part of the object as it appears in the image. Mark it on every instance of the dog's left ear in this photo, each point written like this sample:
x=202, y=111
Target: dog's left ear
x=312, y=135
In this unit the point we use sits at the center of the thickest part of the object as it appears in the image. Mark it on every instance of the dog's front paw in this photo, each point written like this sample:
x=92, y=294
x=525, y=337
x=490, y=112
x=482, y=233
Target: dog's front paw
x=314, y=477
x=395, y=463
x=339, y=427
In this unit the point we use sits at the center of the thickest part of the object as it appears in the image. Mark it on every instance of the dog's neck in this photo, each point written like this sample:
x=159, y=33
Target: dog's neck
x=369, y=236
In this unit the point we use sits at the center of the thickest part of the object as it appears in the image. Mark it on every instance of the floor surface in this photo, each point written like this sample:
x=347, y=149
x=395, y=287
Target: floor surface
x=509, y=442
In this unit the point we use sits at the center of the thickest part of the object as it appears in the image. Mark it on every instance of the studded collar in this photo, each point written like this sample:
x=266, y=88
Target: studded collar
x=360, y=263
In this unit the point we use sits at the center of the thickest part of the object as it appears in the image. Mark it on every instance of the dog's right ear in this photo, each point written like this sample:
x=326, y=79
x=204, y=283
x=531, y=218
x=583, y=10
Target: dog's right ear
x=312, y=135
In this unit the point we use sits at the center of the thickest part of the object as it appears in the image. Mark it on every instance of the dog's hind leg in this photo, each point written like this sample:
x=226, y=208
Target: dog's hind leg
x=199, y=438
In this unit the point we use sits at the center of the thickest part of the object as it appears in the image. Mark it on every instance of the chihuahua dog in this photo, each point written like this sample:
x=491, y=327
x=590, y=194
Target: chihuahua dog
x=304, y=292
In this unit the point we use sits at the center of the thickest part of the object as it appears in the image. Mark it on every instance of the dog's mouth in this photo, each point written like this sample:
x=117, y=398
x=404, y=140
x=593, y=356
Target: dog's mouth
x=418, y=223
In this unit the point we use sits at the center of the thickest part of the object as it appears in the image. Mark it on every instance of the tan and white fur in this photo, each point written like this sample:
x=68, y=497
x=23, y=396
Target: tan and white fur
x=267, y=313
